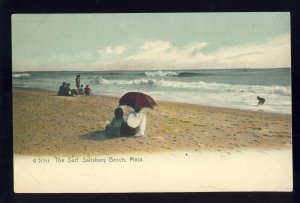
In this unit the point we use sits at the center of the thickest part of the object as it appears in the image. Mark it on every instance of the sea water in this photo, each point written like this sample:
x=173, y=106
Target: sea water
x=233, y=88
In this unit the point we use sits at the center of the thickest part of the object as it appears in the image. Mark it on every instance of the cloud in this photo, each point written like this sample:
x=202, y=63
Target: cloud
x=156, y=46
x=108, y=51
x=164, y=52
x=119, y=49
x=269, y=53
x=242, y=55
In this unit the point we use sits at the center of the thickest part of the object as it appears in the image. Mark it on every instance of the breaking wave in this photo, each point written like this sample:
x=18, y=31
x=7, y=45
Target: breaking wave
x=98, y=80
x=176, y=73
x=21, y=75
x=161, y=73
x=199, y=85
x=192, y=74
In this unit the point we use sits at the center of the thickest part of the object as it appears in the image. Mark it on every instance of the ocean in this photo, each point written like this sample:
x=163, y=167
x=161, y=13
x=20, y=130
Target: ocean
x=233, y=88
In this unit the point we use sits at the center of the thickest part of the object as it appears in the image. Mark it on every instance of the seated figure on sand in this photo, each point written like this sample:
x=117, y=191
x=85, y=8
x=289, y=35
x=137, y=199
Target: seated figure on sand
x=87, y=91
x=74, y=92
x=135, y=124
x=61, y=89
x=114, y=128
x=80, y=90
x=67, y=90
x=261, y=101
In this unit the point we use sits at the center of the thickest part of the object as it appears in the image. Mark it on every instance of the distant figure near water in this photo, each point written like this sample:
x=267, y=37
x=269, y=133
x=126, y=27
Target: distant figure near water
x=74, y=92
x=261, y=101
x=67, y=90
x=88, y=91
x=61, y=89
x=80, y=90
x=64, y=90
x=77, y=80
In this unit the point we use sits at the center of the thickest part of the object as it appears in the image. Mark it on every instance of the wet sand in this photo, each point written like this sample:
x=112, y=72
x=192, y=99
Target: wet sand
x=45, y=124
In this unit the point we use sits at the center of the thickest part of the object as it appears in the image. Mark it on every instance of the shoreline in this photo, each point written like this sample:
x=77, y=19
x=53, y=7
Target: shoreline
x=45, y=124
x=222, y=108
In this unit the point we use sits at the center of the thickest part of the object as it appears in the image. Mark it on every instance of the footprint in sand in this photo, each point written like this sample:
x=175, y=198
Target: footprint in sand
x=202, y=145
x=159, y=138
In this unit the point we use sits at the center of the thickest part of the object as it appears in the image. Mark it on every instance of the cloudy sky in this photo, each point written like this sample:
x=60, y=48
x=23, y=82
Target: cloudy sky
x=47, y=42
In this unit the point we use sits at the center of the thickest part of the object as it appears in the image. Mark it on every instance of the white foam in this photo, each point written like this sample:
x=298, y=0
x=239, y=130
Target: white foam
x=18, y=75
x=161, y=73
x=220, y=87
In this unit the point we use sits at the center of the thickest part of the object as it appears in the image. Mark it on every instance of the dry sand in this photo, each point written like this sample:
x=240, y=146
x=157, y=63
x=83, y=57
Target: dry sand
x=45, y=124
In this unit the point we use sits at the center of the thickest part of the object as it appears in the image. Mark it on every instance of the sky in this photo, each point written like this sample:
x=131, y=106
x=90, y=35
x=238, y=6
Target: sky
x=158, y=41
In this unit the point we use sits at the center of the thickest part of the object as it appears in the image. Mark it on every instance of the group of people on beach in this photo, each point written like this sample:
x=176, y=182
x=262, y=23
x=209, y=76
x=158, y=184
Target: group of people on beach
x=65, y=89
x=133, y=125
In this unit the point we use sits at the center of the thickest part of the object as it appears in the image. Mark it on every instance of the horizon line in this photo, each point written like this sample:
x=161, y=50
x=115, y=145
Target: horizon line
x=143, y=69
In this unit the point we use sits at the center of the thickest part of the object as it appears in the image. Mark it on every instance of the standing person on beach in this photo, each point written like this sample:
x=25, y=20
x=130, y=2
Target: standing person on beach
x=135, y=124
x=77, y=80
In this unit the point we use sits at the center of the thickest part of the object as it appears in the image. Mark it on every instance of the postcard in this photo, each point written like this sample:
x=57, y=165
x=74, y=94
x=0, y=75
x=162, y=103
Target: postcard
x=152, y=102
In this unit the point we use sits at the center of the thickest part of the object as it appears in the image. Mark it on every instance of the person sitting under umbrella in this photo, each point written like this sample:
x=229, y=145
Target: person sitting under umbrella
x=113, y=129
x=135, y=123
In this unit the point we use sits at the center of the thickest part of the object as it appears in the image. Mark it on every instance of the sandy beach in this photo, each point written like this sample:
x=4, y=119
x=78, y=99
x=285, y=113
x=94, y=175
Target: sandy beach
x=45, y=124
